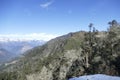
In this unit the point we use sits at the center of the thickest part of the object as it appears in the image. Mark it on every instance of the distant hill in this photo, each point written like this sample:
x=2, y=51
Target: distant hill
x=12, y=49
x=72, y=55
x=4, y=55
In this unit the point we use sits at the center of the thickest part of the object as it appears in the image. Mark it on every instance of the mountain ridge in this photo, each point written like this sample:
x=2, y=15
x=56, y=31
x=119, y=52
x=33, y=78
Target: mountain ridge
x=75, y=54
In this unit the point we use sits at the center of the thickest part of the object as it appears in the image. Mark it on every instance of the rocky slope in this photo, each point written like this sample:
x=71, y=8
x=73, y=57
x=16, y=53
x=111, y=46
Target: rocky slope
x=74, y=54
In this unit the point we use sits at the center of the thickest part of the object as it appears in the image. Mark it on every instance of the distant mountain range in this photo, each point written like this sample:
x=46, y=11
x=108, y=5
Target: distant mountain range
x=10, y=49
x=5, y=55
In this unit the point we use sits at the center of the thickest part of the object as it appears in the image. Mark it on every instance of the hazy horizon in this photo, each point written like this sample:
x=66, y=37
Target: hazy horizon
x=46, y=19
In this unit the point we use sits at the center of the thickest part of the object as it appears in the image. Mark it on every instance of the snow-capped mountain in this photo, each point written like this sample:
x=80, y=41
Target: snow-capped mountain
x=96, y=77
x=13, y=48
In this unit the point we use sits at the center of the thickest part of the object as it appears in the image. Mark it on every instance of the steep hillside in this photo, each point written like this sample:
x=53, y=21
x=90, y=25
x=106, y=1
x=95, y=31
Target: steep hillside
x=74, y=54
x=52, y=54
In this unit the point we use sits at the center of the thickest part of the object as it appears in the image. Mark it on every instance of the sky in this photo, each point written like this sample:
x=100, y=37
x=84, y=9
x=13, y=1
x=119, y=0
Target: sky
x=50, y=18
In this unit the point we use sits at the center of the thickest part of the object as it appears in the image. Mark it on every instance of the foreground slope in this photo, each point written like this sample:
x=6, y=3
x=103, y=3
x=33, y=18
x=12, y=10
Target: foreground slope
x=74, y=54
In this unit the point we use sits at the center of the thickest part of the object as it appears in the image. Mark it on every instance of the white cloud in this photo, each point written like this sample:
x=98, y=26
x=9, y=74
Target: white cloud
x=46, y=5
x=32, y=36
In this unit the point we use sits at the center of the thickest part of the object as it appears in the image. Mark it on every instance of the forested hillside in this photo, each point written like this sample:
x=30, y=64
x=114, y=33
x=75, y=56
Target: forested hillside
x=75, y=54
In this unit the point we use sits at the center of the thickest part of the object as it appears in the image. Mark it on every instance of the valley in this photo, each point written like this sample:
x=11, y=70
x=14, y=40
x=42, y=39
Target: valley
x=11, y=49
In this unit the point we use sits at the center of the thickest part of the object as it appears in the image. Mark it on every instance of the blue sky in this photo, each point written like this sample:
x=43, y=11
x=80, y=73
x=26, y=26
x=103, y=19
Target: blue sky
x=55, y=17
